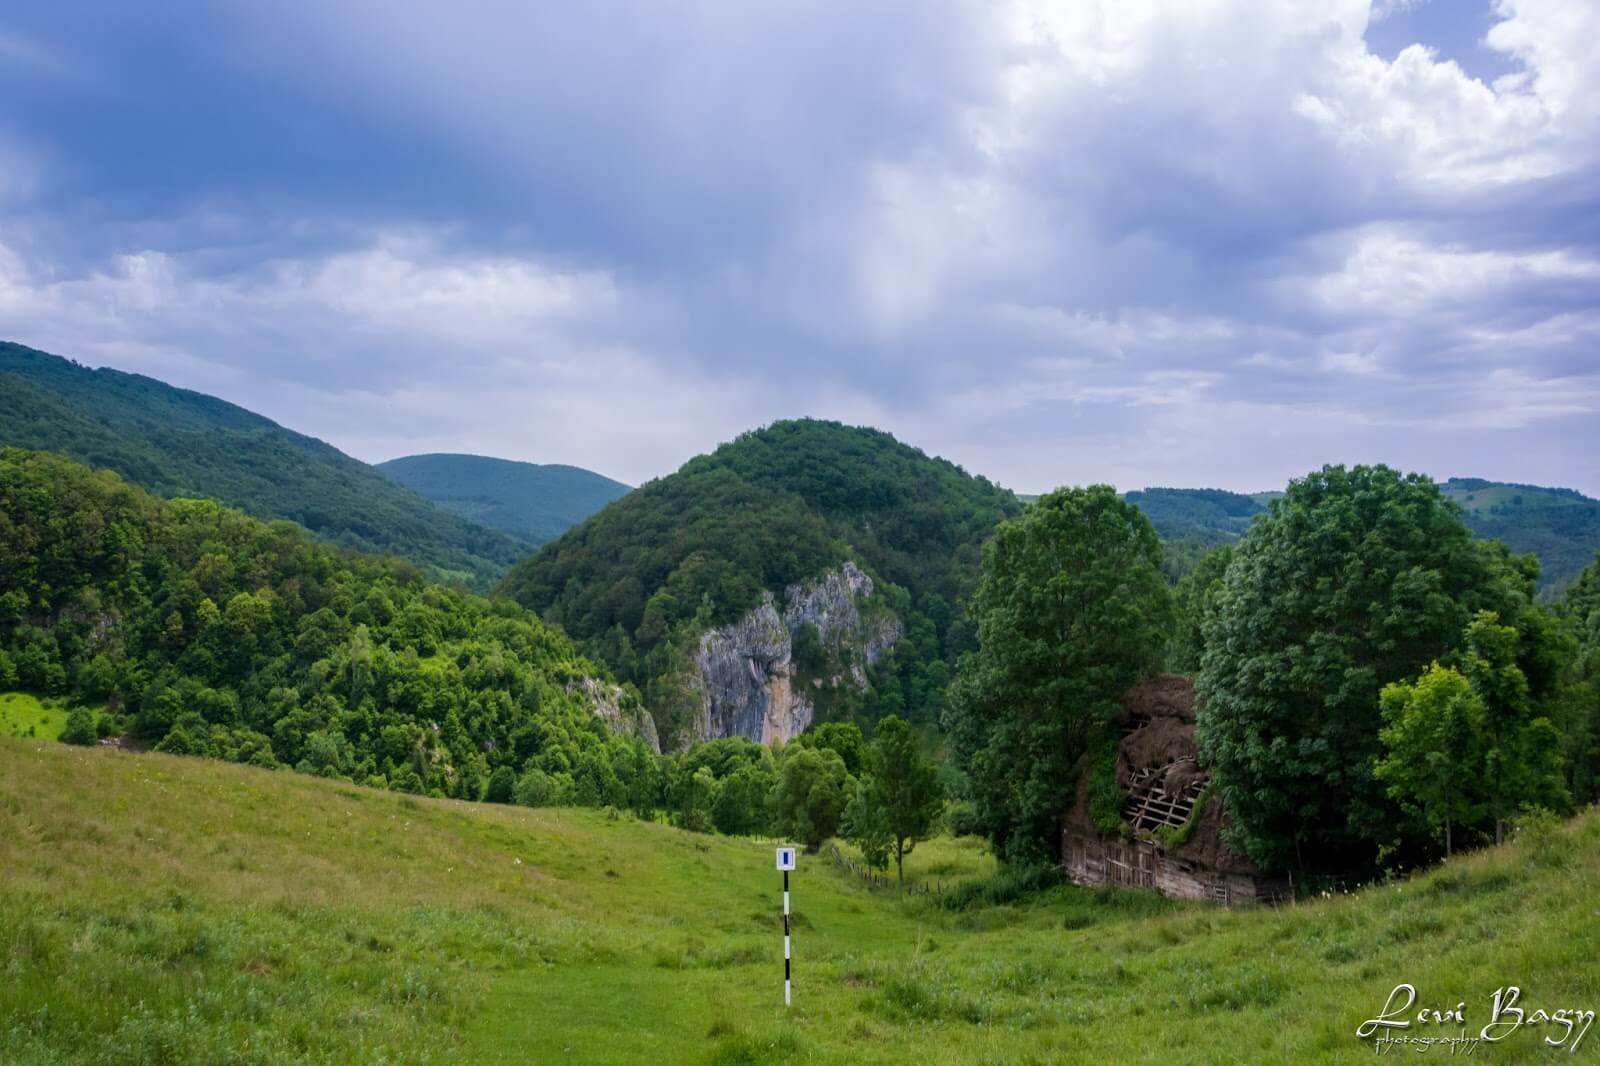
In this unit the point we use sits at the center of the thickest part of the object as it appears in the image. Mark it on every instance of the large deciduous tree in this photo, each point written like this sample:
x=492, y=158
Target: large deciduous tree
x=1354, y=579
x=1071, y=609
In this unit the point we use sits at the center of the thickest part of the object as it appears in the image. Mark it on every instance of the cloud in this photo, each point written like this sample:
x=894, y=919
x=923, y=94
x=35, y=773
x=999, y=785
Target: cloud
x=1120, y=240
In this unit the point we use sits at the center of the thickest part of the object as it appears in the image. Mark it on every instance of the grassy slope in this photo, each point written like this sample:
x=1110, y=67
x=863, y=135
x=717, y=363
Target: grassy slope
x=534, y=502
x=175, y=442
x=26, y=715
x=169, y=910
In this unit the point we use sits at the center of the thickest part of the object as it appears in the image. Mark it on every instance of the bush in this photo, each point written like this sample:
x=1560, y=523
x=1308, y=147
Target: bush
x=537, y=789
x=80, y=727
x=502, y=785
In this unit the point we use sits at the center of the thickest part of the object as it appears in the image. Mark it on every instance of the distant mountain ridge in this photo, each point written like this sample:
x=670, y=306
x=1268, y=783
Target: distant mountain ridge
x=1559, y=525
x=175, y=442
x=1186, y=512
x=531, y=501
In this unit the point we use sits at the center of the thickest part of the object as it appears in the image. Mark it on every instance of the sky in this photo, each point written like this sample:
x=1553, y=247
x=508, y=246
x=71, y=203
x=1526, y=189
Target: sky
x=1197, y=243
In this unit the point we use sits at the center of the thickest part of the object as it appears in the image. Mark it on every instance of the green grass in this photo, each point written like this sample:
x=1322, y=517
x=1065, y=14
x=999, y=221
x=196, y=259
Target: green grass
x=161, y=910
x=26, y=715
x=941, y=863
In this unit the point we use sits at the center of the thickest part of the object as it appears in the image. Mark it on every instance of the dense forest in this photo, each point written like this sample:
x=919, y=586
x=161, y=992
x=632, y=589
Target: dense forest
x=198, y=630
x=174, y=442
x=532, y=502
x=1177, y=513
x=638, y=582
x=204, y=631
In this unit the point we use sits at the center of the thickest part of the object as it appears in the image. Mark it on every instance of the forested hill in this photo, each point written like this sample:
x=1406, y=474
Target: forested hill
x=1560, y=526
x=174, y=442
x=1180, y=513
x=203, y=631
x=642, y=578
x=531, y=501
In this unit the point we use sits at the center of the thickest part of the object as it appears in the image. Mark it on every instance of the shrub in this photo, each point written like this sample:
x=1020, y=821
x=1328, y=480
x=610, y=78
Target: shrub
x=80, y=727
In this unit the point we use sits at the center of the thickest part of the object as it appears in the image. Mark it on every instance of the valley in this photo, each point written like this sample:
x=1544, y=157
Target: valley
x=929, y=534
x=165, y=909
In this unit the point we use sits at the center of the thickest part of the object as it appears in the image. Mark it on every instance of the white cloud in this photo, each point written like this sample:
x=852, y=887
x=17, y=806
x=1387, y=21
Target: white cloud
x=1387, y=273
x=1053, y=240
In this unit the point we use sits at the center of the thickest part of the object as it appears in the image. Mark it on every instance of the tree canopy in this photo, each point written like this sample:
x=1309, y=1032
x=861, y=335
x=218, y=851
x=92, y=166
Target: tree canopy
x=532, y=502
x=206, y=632
x=1354, y=579
x=1071, y=610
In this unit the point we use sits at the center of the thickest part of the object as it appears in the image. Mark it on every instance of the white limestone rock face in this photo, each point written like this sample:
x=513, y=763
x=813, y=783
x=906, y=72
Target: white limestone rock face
x=744, y=672
x=605, y=700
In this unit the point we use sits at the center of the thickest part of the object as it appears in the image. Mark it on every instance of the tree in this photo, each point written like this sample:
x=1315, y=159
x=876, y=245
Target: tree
x=502, y=786
x=1189, y=600
x=906, y=787
x=842, y=737
x=1434, y=749
x=741, y=805
x=866, y=823
x=1071, y=609
x=1352, y=580
x=643, y=774
x=1581, y=612
x=697, y=798
x=80, y=727
x=1522, y=763
x=810, y=795
x=535, y=788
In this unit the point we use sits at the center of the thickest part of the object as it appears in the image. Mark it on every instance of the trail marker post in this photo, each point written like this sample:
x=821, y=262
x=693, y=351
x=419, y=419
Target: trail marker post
x=786, y=863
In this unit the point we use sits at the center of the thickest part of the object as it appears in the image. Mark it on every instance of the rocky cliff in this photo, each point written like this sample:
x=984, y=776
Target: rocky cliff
x=609, y=704
x=745, y=675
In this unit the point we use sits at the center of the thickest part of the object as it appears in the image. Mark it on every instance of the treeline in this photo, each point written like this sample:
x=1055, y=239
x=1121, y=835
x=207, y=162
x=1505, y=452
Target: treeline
x=203, y=631
x=1376, y=686
x=639, y=582
x=884, y=795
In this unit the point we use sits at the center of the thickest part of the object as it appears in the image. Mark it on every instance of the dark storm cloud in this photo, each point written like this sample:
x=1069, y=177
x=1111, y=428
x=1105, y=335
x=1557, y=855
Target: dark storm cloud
x=1138, y=242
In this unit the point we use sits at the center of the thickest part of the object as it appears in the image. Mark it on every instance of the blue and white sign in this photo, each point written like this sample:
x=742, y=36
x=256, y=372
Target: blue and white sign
x=785, y=858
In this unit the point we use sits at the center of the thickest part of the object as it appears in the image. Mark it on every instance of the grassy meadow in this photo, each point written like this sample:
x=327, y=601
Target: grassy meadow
x=25, y=715
x=168, y=910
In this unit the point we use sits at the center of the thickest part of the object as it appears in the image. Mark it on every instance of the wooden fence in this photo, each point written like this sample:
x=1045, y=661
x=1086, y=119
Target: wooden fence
x=863, y=872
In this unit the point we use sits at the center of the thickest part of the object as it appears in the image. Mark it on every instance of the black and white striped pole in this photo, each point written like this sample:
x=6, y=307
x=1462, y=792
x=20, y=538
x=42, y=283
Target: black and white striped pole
x=786, y=863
